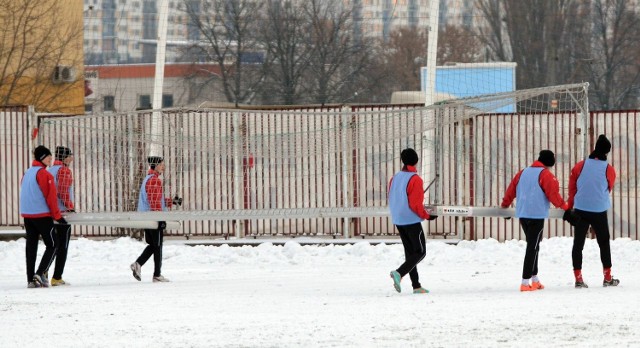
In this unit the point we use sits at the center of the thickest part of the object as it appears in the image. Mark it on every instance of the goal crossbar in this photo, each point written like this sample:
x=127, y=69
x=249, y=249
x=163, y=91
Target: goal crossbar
x=147, y=218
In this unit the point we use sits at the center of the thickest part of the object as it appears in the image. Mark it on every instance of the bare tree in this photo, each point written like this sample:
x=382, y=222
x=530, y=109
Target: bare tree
x=534, y=34
x=227, y=29
x=613, y=67
x=493, y=32
x=33, y=41
x=458, y=44
x=284, y=36
x=337, y=59
x=404, y=55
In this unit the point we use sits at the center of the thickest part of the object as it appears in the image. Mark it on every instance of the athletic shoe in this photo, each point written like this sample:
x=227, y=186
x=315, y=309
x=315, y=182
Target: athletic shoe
x=41, y=281
x=32, y=285
x=537, y=286
x=160, y=279
x=137, y=270
x=396, y=280
x=526, y=287
x=58, y=282
x=420, y=291
x=580, y=284
x=612, y=282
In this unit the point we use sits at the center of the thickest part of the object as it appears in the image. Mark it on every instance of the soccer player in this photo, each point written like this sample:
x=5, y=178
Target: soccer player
x=406, y=204
x=39, y=207
x=152, y=199
x=533, y=188
x=64, y=186
x=590, y=184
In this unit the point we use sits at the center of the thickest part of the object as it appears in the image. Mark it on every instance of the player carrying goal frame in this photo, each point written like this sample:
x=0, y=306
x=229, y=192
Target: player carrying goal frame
x=406, y=198
x=152, y=199
x=533, y=188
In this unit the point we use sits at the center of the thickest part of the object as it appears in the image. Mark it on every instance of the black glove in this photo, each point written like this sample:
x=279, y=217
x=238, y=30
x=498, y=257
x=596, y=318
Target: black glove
x=177, y=200
x=571, y=217
x=506, y=217
x=432, y=217
x=162, y=225
x=62, y=221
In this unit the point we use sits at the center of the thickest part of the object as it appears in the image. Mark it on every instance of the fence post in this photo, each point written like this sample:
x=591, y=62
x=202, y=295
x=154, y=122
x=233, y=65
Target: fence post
x=237, y=173
x=346, y=168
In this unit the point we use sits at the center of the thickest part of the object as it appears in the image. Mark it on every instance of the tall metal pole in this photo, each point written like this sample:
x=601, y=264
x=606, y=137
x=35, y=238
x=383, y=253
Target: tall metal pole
x=430, y=137
x=432, y=50
x=156, y=130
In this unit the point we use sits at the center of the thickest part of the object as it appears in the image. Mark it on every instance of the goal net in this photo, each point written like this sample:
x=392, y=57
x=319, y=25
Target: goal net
x=332, y=162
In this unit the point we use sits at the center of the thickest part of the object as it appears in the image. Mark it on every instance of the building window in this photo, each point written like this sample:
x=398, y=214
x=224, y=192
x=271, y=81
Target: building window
x=167, y=100
x=88, y=108
x=144, y=102
x=109, y=103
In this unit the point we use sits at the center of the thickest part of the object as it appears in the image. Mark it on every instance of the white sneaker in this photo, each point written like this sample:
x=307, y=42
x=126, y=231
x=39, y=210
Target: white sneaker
x=137, y=270
x=160, y=279
x=40, y=281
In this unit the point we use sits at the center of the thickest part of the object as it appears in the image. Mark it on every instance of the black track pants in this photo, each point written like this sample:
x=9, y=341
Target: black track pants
x=154, y=240
x=35, y=228
x=63, y=235
x=533, y=231
x=414, y=244
x=600, y=224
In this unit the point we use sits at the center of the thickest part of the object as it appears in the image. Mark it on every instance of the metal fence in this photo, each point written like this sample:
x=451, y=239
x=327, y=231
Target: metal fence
x=497, y=146
x=15, y=136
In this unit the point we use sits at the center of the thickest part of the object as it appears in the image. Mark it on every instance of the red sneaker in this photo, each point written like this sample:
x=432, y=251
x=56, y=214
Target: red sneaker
x=537, y=286
x=526, y=288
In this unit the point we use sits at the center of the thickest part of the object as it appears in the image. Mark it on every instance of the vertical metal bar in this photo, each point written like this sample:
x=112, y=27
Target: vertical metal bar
x=472, y=176
x=635, y=171
x=628, y=166
x=354, y=168
x=237, y=172
x=345, y=169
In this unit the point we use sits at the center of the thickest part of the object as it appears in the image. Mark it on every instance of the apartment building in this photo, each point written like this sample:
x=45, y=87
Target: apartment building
x=124, y=31
x=128, y=87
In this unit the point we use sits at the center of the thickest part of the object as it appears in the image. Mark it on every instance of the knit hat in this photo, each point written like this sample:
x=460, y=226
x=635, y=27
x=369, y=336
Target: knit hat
x=409, y=157
x=603, y=145
x=547, y=157
x=62, y=152
x=41, y=152
x=154, y=161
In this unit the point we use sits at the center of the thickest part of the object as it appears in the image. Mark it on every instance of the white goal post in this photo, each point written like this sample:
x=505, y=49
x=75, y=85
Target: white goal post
x=334, y=163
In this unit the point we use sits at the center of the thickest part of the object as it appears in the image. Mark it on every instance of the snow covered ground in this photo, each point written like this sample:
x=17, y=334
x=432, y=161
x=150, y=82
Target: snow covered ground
x=320, y=296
